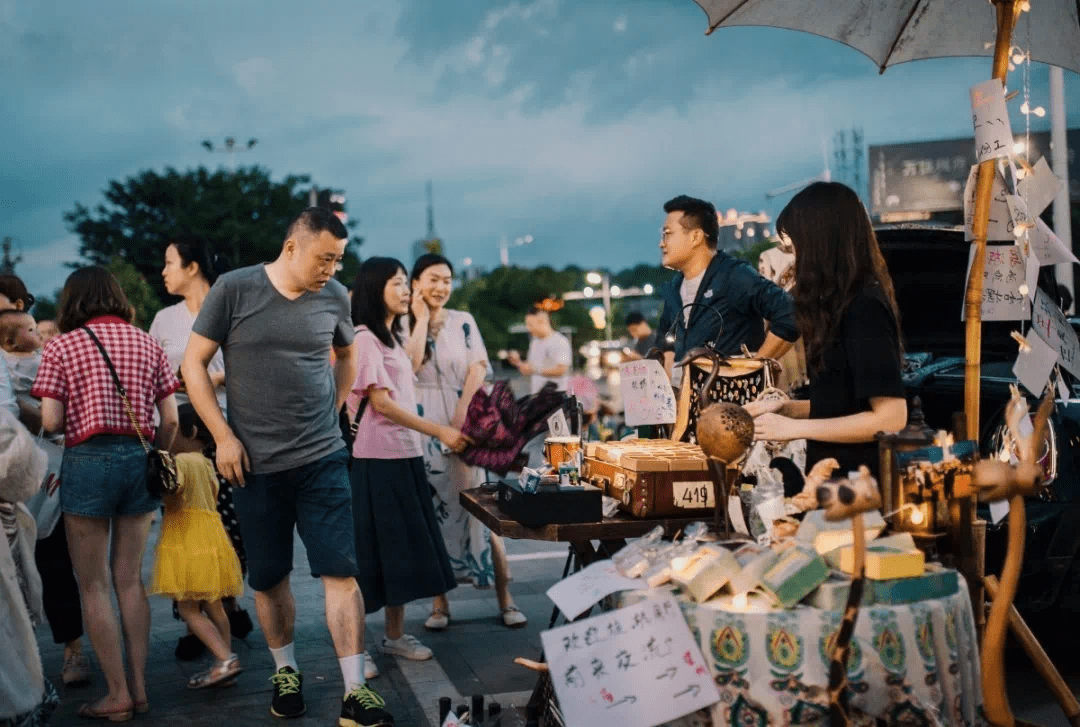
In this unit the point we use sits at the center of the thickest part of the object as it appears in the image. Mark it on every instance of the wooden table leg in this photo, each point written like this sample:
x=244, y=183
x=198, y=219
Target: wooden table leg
x=1069, y=704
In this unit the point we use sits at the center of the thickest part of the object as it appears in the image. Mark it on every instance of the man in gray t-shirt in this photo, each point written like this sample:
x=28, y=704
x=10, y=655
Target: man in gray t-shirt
x=276, y=325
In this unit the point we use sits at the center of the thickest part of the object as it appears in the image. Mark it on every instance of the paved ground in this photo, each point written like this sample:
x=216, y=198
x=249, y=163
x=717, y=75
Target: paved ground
x=474, y=656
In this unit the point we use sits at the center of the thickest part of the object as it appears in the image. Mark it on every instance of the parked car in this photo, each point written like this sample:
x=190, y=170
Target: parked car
x=928, y=265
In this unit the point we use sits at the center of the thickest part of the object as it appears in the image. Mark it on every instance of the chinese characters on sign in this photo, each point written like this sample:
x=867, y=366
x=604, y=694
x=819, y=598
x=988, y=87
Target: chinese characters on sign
x=635, y=667
x=1050, y=324
x=990, y=117
x=646, y=393
x=999, y=226
x=1003, y=275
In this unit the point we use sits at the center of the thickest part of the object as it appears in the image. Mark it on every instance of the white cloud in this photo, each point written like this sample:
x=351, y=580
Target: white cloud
x=254, y=75
x=619, y=26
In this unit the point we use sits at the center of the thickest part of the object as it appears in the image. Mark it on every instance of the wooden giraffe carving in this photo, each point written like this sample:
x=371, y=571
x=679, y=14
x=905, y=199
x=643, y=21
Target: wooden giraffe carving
x=996, y=480
x=843, y=499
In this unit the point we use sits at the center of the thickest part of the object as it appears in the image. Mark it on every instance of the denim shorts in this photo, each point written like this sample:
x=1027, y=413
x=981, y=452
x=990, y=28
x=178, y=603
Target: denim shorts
x=105, y=476
x=316, y=499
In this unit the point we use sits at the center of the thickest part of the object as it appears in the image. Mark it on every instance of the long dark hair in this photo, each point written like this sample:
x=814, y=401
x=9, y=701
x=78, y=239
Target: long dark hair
x=836, y=257
x=88, y=293
x=199, y=251
x=368, y=299
x=428, y=260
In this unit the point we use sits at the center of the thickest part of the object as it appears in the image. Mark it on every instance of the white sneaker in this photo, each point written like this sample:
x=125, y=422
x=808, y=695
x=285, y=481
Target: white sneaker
x=371, y=671
x=407, y=646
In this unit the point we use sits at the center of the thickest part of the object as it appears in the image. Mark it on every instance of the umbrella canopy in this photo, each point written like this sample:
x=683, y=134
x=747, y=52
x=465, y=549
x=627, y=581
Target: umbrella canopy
x=897, y=31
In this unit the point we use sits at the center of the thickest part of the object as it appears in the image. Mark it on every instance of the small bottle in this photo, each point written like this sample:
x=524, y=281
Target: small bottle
x=444, y=708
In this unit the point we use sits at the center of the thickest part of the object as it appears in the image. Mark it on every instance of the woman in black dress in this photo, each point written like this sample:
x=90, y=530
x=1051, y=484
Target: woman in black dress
x=847, y=316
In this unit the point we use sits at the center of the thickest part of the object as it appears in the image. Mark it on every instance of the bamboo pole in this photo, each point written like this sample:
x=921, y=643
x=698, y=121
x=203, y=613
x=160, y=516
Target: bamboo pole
x=1007, y=12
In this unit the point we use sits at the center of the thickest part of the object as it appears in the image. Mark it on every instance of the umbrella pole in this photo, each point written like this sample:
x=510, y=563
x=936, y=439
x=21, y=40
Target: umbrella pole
x=1007, y=12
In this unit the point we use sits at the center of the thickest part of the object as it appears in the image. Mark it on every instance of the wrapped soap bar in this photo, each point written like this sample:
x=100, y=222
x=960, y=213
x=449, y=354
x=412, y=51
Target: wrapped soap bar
x=659, y=571
x=634, y=556
x=706, y=571
x=798, y=572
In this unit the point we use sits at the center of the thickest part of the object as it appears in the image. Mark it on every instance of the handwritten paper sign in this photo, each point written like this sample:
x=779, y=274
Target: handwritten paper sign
x=990, y=117
x=1050, y=324
x=999, y=225
x=646, y=393
x=1039, y=187
x=575, y=594
x=1018, y=213
x=557, y=424
x=1047, y=246
x=635, y=667
x=1002, y=277
x=1033, y=367
x=1031, y=281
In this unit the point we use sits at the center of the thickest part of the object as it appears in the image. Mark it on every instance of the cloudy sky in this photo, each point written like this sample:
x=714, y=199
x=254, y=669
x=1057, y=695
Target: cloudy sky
x=570, y=121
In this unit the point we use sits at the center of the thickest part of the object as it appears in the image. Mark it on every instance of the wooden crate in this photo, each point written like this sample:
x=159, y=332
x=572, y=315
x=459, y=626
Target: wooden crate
x=652, y=477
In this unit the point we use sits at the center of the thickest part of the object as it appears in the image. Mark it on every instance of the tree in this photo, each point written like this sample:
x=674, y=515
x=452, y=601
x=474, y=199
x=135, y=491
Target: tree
x=243, y=214
x=138, y=291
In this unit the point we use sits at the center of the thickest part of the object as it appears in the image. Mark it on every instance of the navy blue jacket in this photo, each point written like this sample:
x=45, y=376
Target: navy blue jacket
x=741, y=295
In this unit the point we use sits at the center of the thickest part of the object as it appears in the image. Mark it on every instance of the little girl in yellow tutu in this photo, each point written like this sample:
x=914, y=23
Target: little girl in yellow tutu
x=196, y=565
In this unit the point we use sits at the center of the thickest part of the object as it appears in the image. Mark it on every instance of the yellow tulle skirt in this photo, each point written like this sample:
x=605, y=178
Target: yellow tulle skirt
x=195, y=560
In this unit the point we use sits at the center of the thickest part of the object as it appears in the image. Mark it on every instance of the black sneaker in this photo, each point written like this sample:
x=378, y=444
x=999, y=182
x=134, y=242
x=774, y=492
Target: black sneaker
x=288, y=700
x=362, y=707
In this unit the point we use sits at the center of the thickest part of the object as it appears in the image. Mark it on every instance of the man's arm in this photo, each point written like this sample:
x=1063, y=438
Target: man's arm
x=773, y=347
x=345, y=363
x=772, y=303
x=232, y=458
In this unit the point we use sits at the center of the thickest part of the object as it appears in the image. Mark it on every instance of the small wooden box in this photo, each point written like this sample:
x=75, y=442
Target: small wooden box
x=652, y=477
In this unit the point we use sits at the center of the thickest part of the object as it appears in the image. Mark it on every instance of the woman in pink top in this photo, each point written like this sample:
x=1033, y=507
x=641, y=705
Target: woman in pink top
x=399, y=546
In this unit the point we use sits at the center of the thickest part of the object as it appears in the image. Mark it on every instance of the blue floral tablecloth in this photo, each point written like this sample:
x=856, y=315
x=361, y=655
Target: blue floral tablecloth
x=913, y=664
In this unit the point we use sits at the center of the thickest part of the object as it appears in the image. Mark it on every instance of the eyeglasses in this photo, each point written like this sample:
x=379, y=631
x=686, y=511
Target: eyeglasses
x=665, y=233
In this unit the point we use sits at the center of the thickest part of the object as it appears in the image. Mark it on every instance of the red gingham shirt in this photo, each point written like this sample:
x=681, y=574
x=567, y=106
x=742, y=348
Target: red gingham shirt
x=74, y=373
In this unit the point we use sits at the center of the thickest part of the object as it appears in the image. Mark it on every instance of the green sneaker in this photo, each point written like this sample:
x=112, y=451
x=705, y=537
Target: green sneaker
x=288, y=701
x=362, y=707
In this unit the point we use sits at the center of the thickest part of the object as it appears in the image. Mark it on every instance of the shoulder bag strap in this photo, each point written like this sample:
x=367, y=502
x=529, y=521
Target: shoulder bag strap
x=359, y=415
x=119, y=387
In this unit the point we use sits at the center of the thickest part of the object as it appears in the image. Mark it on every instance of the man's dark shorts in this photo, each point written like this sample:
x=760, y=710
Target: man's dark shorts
x=317, y=499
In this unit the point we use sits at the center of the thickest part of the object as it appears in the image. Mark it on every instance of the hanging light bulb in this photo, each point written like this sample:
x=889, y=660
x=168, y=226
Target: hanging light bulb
x=916, y=517
x=1025, y=6
x=1039, y=111
x=1024, y=108
x=1019, y=56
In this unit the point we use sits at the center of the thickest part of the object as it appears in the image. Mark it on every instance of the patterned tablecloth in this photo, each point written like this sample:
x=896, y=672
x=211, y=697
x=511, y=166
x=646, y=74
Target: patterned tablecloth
x=914, y=664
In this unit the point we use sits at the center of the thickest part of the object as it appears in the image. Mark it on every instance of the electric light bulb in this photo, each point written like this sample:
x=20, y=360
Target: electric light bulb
x=588, y=292
x=616, y=291
x=1039, y=111
x=1024, y=108
x=1025, y=6
x=740, y=602
x=1023, y=289
x=1018, y=147
x=647, y=289
x=916, y=517
x=1018, y=57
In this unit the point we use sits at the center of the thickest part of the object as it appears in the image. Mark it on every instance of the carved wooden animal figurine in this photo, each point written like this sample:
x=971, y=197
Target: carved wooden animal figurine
x=844, y=499
x=996, y=480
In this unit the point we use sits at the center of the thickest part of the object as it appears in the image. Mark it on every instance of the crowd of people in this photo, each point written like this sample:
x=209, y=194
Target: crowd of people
x=292, y=403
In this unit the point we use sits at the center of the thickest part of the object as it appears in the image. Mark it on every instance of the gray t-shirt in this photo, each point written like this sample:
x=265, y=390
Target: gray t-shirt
x=278, y=377
x=547, y=353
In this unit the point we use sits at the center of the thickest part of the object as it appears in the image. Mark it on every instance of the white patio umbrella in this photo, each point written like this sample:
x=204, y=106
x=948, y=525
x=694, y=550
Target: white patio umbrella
x=897, y=31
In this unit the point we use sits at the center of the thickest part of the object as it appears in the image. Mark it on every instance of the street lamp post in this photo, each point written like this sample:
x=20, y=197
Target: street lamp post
x=504, y=248
x=604, y=281
x=607, y=292
x=230, y=148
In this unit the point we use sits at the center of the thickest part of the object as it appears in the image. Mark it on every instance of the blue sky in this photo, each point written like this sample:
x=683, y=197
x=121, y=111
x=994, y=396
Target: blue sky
x=570, y=121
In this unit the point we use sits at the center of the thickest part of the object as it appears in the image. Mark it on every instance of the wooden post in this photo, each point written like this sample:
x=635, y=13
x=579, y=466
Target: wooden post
x=1007, y=12
x=995, y=695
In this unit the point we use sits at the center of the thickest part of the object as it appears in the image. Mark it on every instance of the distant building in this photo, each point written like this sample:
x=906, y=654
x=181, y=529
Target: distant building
x=743, y=229
x=432, y=244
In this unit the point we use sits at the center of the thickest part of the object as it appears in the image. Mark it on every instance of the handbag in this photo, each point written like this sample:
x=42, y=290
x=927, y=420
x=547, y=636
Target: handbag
x=161, y=475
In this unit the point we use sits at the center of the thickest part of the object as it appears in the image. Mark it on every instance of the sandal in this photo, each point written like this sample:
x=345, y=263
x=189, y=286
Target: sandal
x=513, y=618
x=89, y=711
x=217, y=674
x=438, y=620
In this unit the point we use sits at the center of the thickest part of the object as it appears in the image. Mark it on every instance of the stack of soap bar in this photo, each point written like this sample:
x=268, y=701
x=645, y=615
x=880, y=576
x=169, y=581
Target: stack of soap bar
x=832, y=595
x=798, y=572
x=708, y=570
x=824, y=536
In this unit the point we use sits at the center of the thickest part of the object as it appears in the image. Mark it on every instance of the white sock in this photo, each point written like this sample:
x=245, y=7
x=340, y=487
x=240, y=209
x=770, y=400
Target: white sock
x=285, y=656
x=352, y=669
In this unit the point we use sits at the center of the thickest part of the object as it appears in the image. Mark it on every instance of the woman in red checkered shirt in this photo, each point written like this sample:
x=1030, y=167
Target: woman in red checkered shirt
x=103, y=478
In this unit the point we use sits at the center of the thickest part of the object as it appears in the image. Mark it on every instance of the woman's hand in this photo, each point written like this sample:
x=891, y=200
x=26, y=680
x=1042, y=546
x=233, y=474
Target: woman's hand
x=776, y=428
x=454, y=439
x=419, y=306
x=764, y=406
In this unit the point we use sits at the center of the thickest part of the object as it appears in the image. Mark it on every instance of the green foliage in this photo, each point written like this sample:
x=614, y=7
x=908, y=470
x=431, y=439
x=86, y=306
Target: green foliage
x=752, y=252
x=243, y=214
x=45, y=307
x=138, y=291
x=499, y=300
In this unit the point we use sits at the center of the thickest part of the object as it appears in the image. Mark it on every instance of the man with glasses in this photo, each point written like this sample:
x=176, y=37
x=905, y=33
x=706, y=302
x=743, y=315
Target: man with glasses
x=715, y=297
x=281, y=446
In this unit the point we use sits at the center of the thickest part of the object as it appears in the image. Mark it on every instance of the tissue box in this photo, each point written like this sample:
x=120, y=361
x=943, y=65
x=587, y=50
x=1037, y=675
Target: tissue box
x=824, y=536
x=557, y=506
x=884, y=562
x=798, y=572
x=936, y=582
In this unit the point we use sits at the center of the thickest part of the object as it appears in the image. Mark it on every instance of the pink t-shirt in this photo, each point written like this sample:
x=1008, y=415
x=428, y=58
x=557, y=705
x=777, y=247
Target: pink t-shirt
x=383, y=368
